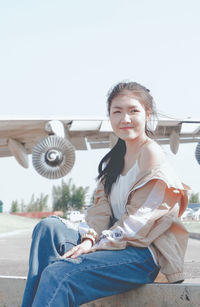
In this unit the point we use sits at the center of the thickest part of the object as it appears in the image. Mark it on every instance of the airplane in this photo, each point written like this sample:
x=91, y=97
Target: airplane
x=52, y=142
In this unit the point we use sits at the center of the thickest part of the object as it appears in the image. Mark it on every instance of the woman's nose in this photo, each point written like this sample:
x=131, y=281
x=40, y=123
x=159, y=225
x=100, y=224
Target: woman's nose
x=126, y=118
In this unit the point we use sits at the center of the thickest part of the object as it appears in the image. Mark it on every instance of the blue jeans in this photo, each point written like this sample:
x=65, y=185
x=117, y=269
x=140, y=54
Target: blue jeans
x=53, y=281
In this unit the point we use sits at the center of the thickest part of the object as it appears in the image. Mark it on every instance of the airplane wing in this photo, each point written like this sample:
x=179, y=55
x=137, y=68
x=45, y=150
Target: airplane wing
x=20, y=137
x=52, y=142
x=80, y=132
x=175, y=131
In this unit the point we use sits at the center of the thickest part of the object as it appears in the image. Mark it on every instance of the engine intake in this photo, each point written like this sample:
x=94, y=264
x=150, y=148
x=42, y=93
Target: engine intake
x=53, y=157
x=197, y=153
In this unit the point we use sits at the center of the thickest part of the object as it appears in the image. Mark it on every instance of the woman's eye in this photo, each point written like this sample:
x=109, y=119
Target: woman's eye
x=116, y=112
x=134, y=111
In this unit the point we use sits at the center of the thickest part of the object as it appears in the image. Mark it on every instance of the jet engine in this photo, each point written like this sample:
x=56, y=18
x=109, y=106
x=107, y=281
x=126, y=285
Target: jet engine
x=53, y=156
x=197, y=153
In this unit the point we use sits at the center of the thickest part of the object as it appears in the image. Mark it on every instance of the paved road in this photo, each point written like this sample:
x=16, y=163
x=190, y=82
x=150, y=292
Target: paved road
x=192, y=261
x=14, y=253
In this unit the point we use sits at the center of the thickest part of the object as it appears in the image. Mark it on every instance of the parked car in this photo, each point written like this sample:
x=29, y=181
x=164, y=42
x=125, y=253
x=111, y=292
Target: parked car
x=197, y=215
x=188, y=214
x=75, y=216
x=195, y=209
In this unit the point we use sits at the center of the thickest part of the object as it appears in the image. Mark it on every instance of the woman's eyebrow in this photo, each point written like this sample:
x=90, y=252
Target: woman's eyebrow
x=134, y=106
x=130, y=107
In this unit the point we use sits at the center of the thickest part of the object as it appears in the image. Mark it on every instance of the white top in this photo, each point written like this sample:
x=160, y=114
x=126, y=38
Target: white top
x=120, y=190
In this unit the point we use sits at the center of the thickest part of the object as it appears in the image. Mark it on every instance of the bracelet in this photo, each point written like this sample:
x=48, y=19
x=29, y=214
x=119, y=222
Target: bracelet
x=88, y=236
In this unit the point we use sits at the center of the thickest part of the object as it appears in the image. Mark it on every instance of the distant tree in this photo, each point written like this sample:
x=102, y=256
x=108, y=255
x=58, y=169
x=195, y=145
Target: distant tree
x=22, y=206
x=14, y=206
x=38, y=203
x=78, y=197
x=61, y=196
x=194, y=198
x=92, y=198
x=68, y=196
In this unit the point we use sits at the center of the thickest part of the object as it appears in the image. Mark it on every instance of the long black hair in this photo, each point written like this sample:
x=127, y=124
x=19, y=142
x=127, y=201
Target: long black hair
x=112, y=164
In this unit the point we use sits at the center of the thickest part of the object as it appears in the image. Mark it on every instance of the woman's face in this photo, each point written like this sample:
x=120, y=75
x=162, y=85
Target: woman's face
x=128, y=117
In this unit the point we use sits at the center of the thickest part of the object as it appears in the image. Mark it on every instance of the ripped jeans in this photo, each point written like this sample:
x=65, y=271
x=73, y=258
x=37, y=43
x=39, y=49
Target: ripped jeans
x=56, y=282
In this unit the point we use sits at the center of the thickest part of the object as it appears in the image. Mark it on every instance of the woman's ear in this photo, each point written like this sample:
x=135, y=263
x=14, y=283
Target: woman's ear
x=148, y=114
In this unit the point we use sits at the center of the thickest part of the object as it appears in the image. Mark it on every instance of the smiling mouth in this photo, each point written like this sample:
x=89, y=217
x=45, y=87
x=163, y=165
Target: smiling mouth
x=126, y=128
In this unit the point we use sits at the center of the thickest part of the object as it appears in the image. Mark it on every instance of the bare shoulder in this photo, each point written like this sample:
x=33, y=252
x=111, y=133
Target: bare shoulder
x=151, y=155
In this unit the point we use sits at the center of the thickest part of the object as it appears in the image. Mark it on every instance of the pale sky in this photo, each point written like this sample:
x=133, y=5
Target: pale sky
x=59, y=58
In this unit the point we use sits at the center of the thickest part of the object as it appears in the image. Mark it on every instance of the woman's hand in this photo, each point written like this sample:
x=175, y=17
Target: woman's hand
x=83, y=248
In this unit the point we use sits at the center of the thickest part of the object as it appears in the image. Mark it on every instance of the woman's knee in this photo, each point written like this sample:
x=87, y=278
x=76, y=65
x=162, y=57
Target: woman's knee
x=56, y=229
x=48, y=224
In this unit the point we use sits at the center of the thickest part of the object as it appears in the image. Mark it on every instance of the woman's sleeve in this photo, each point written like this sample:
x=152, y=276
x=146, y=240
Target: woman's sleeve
x=149, y=213
x=98, y=217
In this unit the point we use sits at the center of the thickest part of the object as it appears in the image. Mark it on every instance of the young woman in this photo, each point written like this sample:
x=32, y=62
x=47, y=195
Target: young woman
x=132, y=231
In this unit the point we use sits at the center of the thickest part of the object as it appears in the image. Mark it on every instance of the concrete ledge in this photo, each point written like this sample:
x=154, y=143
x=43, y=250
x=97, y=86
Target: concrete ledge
x=154, y=295
x=151, y=295
x=11, y=290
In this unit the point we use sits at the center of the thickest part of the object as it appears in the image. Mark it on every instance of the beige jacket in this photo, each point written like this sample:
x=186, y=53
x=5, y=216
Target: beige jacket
x=154, y=204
